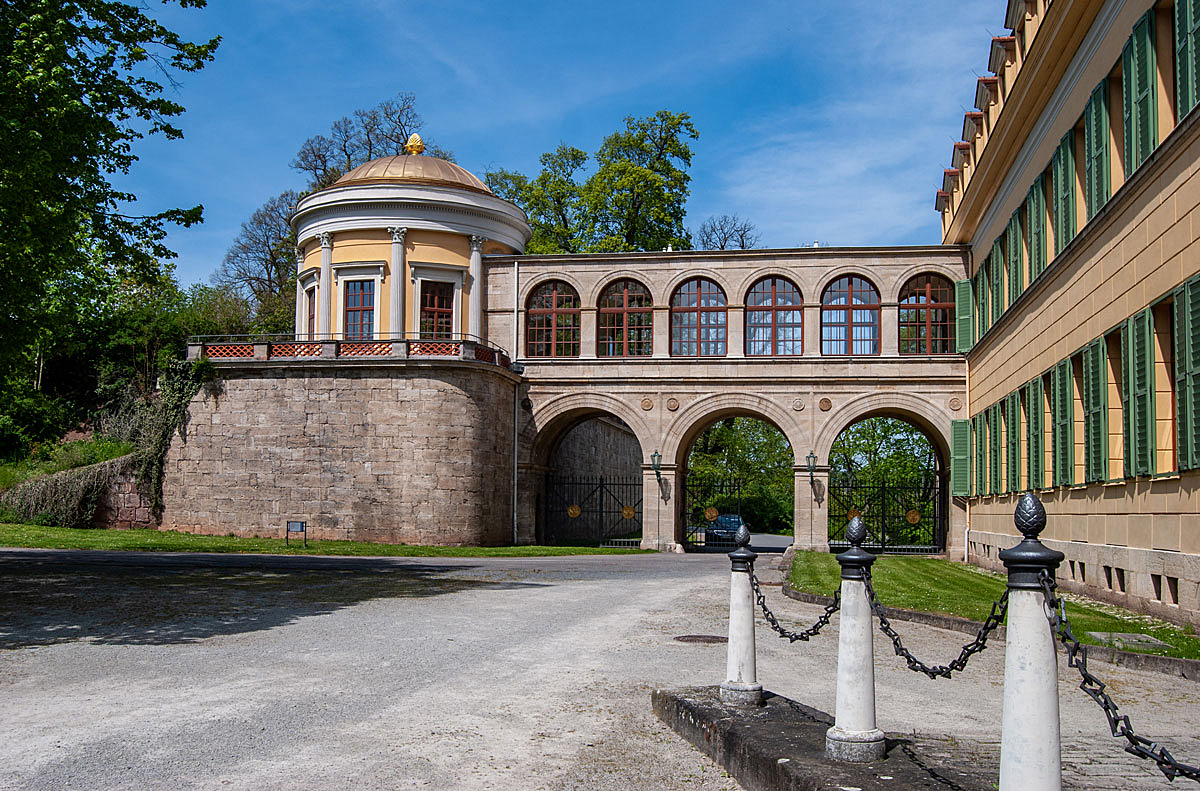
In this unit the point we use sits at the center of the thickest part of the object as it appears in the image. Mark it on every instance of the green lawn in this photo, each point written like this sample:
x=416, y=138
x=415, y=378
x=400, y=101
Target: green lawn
x=935, y=585
x=170, y=541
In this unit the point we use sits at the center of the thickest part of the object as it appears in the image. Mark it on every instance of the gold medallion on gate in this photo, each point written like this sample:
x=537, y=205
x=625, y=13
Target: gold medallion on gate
x=711, y=514
x=853, y=512
x=628, y=512
x=913, y=516
x=573, y=511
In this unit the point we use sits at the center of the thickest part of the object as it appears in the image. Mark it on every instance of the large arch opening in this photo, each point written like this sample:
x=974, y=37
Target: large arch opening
x=737, y=469
x=893, y=473
x=591, y=489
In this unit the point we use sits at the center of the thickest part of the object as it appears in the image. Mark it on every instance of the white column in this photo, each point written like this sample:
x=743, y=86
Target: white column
x=475, y=300
x=325, y=319
x=397, y=323
x=1029, y=742
x=854, y=735
x=299, y=325
x=741, y=673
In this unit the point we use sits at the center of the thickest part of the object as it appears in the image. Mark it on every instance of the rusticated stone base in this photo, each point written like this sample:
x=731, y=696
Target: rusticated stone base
x=123, y=507
x=413, y=453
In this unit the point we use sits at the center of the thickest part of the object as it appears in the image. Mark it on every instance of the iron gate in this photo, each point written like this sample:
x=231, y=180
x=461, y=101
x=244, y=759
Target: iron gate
x=907, y=517
x=593, y=511
x=711, y=512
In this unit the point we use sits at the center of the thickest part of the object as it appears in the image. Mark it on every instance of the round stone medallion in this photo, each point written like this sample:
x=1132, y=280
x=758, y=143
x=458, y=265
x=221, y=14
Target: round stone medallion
x=825, y=404
x=672, y=404
x=955, y=404
x=647, y=404
x=798, y=405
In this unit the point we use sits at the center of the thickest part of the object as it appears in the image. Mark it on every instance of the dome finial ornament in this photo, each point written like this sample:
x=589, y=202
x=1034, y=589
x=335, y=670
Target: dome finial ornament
x=414, y=145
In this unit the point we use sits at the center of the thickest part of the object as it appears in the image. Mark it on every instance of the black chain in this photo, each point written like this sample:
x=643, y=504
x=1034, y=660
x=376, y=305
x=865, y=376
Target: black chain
x=811, y=632
x=1118, y=723
x=999, y=608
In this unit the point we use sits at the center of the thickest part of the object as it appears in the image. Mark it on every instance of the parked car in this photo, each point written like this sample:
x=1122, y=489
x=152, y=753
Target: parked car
x=724, y=528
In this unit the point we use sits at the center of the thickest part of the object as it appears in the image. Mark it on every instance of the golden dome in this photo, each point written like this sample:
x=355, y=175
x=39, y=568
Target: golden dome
x=409, y=169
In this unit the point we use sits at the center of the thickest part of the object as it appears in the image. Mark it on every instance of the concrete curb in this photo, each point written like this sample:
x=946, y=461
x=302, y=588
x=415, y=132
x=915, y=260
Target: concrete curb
x=1167, y=665
x=780, y=746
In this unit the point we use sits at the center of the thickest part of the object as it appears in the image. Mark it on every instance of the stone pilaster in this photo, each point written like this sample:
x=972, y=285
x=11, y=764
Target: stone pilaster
x=325, y=318
x=398, y=323
x=475, y=297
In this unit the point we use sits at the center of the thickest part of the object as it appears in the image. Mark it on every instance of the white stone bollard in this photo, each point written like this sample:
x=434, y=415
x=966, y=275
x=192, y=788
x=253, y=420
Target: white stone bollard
x=854, y=735
x=741, y=685
x=1030, y=758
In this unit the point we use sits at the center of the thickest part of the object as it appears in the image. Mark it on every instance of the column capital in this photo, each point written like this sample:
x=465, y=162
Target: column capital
x=299, y=256
x=325, y=239
x=397, y=232
x=477, y=243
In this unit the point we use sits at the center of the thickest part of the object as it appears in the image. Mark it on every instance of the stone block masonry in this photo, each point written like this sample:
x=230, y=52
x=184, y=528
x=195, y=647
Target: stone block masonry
x=412, y=453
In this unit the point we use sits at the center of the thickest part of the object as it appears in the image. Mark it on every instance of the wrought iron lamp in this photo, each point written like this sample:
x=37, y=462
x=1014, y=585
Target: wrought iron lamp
x=812, y=467
x=656, y=465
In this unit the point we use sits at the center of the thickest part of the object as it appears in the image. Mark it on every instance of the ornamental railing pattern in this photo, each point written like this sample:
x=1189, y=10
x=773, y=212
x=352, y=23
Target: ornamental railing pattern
x=468, y=348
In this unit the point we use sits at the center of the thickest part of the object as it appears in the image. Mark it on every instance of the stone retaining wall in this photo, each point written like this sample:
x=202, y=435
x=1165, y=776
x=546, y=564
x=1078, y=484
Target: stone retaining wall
x=123, y=507
x=409, y=452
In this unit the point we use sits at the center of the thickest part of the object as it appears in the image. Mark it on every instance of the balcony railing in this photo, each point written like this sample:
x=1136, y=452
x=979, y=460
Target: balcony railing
x=383, y=346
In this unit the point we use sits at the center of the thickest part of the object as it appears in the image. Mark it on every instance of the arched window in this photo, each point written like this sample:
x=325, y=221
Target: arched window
x=698, y=319
x=625, y=321
x=552, y=321
x=774, y=324
x=927, y=316
x=850, y=317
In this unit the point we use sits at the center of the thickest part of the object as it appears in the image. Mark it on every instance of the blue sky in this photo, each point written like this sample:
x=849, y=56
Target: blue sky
x=817, y=121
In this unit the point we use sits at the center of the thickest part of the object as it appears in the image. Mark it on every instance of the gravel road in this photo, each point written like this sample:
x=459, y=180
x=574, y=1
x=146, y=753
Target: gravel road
x=226, y=672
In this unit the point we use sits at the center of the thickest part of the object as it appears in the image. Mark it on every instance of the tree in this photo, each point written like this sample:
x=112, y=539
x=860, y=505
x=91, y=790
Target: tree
x=260, y=266
x=77, y=96
x=727, y=232
x=553, y=201
x=635, y=199
x=756, y=456
x=364, y=135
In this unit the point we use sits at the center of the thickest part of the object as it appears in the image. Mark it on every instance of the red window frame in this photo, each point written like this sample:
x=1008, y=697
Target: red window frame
x=926, y=316
x=625, y=325
x=698, y=307
x=359, y=310
x=552, y=324
x=437, y=309
x=771, y=305
x=850, y=323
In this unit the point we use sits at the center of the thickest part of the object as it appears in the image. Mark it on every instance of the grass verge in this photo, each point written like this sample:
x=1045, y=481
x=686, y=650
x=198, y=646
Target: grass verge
x=170, y=541
x=940, y=586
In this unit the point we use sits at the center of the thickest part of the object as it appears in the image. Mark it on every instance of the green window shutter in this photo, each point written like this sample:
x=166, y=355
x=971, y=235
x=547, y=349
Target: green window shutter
x=960, y=458
x=1187, y=55
x=1035, y=218
x=997, y=275
x=1096, y=147
x=964, y=300
x=1185, y=58
x=1063, y=431
x=1139, y=95
x=1127, y=400
x=1138, y=361
x=1063, y=168
x=1095, y=411
x=1127, y=91
x=984, y=295
x=1013, y=435
x=994, y=447
x=980, y=455
x=1187, y=373
x=1013, y=245
x=1034, y=448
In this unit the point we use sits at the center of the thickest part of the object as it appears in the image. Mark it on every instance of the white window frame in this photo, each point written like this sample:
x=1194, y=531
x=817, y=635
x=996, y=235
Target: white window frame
x=453, y=274
x=309, y=278
x=357, y=270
